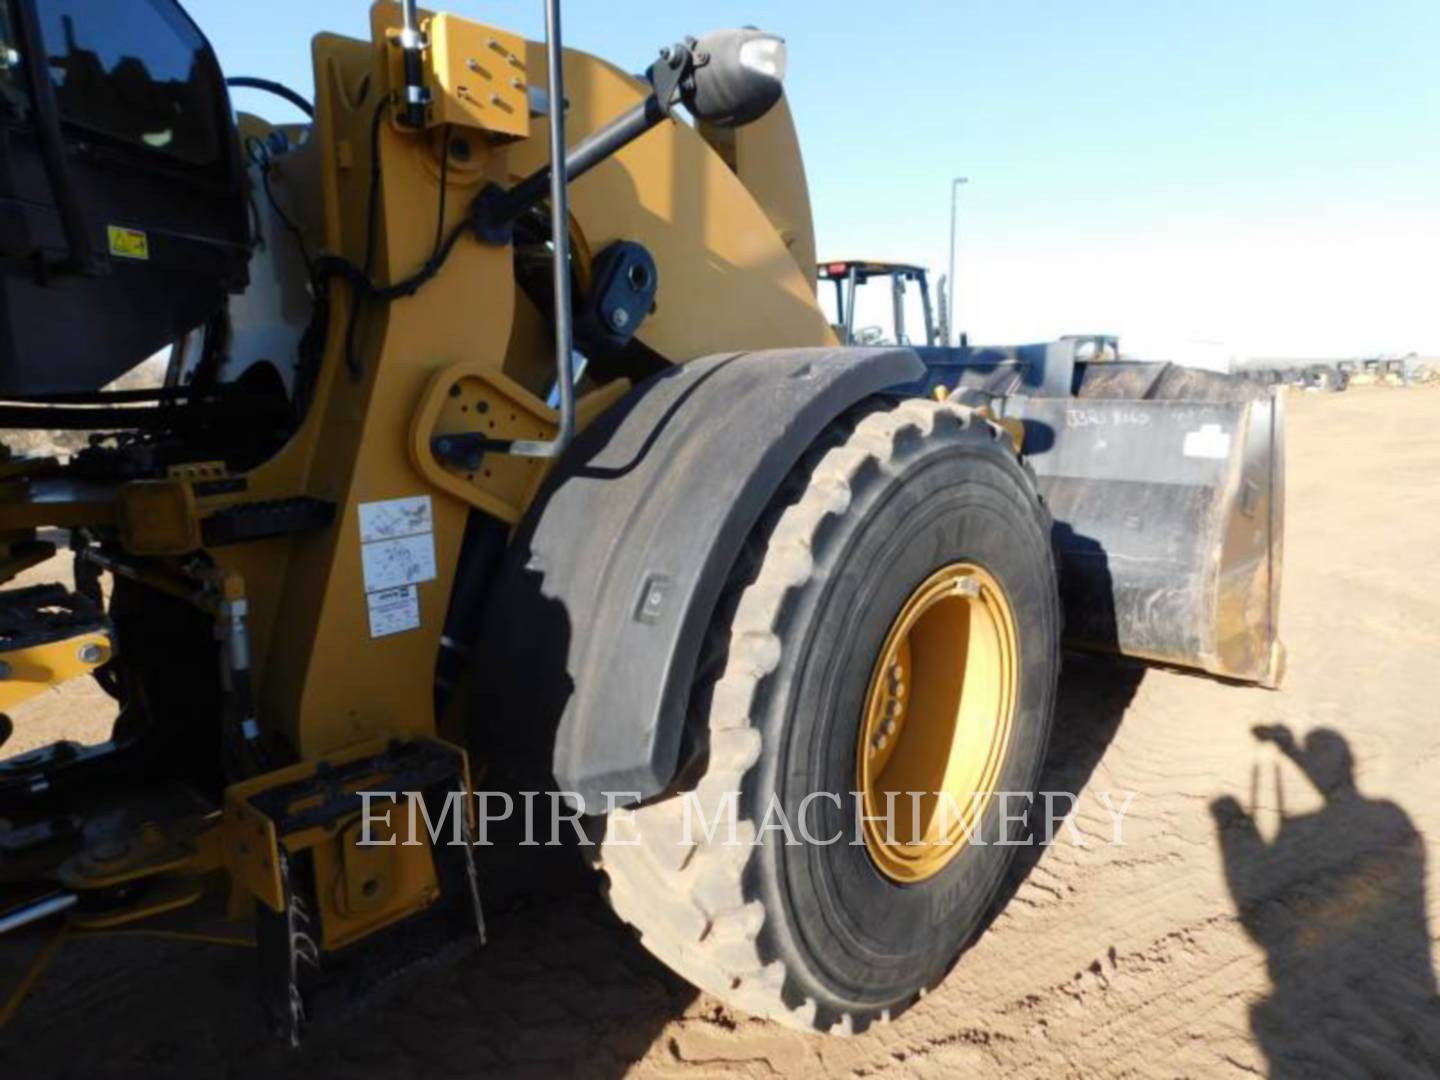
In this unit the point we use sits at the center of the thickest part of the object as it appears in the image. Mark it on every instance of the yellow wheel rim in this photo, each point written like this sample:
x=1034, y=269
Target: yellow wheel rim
x=938, y=720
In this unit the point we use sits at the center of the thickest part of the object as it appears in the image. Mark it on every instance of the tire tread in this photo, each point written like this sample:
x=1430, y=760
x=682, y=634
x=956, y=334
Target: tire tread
x=694, y=912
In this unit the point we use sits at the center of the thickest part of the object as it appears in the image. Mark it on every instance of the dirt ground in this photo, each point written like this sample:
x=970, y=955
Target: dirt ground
x=1269, y=913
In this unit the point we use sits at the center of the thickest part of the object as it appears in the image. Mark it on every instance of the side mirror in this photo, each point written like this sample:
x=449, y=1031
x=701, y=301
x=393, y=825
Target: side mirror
x=738, y=77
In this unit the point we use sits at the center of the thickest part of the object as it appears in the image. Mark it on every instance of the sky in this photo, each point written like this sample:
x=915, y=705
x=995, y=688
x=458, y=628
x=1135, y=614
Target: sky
x=1257, y=176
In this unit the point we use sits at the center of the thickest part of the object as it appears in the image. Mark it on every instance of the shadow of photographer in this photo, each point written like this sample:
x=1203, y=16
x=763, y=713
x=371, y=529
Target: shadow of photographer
x=1337, y=901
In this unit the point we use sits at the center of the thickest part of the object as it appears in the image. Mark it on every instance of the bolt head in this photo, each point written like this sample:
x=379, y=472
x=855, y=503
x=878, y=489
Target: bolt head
x=91, y=653
x=620, y=318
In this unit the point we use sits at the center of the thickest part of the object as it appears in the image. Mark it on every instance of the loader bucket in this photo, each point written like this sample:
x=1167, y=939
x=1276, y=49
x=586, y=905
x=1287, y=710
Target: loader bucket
x=1168, y=514
x=1166, y=484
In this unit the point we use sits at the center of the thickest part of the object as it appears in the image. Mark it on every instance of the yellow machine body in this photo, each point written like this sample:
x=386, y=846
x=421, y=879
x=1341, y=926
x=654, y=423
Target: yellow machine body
x=725, y=214
x=322, y=678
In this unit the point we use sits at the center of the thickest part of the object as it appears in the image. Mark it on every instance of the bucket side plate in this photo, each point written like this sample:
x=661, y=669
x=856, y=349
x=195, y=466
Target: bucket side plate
x=1169, y=525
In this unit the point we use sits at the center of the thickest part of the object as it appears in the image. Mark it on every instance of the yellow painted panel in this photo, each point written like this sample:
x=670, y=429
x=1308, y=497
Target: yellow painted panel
x=478, y=77
x=31, y=671
x=728, y=280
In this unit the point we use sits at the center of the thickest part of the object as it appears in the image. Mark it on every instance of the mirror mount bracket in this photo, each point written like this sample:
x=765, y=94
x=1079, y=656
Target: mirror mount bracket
x=675, y=69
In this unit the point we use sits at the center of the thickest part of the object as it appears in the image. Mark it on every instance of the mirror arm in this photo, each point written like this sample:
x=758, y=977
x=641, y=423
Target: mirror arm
x=496, y=208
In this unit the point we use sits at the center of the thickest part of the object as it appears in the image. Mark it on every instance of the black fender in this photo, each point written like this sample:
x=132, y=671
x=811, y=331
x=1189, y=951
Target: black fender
x=594, y=626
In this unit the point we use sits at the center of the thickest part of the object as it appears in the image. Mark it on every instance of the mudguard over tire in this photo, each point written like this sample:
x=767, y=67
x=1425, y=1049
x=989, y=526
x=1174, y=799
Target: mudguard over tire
x=814, y=934
x=593, y=629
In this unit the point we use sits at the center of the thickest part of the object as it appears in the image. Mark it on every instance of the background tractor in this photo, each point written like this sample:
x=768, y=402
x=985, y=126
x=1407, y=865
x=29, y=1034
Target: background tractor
x=502, y=440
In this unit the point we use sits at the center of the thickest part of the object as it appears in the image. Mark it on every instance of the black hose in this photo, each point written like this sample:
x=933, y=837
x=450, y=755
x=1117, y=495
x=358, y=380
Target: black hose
x=260, y=155
x=280, y=90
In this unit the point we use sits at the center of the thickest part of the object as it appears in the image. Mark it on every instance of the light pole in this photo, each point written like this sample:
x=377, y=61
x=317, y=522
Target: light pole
x=950, y=299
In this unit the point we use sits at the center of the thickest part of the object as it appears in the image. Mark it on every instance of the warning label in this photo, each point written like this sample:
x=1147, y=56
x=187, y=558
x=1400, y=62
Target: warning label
x=393, y=611
x=395, y=518
x=391, y=563
x=397, y=553
x=128, y=243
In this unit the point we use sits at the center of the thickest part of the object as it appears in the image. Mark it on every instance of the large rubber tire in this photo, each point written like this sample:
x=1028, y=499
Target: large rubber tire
x=813, y=935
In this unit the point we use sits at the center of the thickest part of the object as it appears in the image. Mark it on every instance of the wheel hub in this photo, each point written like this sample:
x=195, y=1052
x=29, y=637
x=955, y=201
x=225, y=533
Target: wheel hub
x=938, y=718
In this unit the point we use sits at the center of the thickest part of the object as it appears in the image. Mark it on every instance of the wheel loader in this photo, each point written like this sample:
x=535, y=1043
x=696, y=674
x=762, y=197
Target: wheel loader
x=501, y=442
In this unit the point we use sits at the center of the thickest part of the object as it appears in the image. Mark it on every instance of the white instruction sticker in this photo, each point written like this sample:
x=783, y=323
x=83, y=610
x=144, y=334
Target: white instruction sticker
x=388, y=564
x=393, y=611
x=394, y=518
x=397, y=552
x=1209, y=441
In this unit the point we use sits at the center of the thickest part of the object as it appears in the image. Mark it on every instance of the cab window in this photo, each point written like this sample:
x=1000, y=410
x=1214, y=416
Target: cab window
x=134, y=70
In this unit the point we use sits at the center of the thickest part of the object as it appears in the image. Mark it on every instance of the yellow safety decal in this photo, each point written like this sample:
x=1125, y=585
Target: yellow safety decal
x=128, y=243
